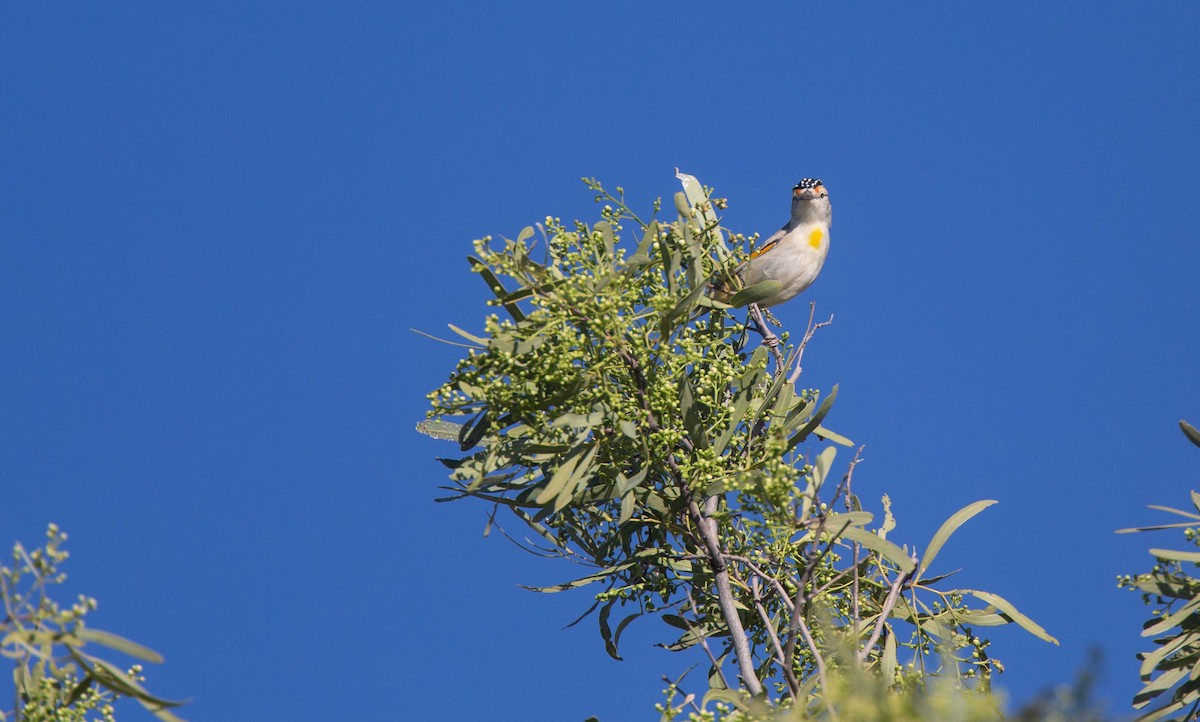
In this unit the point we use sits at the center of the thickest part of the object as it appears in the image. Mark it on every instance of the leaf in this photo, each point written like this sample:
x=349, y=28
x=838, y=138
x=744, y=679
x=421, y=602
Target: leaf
x=558, y=480
x=727, y=696
x=497, y=287
x=888, y=550
x=628, y=506
x=822, y=465
x=1161, y=684
x=119, y=643
x=1172, y=620
x=685, y=305
x=525, y=234
x=606, y=232
x=758, y=292
x=642, y=256
x=681, y=205
x=1191, y=432
x=113, y=677
x=691, y=415
x=833, y=436
x=582, y=581
x=473, y=431
x=815, y=421
x=1007, y=609
x=438, y=429
x=1177, y=556
x=694, y=192
x=949, y=526
x=482, y=342
x=887, y=663
x=610, y=645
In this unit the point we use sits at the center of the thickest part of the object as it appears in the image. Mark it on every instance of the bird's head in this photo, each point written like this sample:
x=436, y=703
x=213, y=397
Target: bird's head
x=810, y=201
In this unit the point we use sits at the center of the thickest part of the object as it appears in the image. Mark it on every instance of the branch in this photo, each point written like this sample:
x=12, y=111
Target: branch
x=884, y=612
x=707, y=527
x=704, y=641
x=788, y=674
x=808, y=334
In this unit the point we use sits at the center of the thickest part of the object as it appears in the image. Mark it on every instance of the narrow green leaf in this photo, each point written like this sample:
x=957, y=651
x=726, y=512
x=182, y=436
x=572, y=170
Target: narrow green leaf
x=685, y=304
x=1007, y=609
x=1177, y=556
x=473, y=431
x=815, y=421
x=642, y=256
x=606, y=233
x=558, y=480
x=691, y=414
x=621, y=627
x=822, y=465
x=753, y=294
x=1161, y=684
x=1152, y=659
x=628, y=506
x=1191, y=432
x=888, y=550
x=121, y=644
x=737, y=413
x=1173, y=619
x=628, y=483
x=606, y=633
x=887, y=663
x=481, y=342
x=948, y=528
x=727, y=696
x=580, y=475
x=115, y=678
x=497, y=287
x=525, y=234
x=681, y=206
x=833, y=436
x=582, y=581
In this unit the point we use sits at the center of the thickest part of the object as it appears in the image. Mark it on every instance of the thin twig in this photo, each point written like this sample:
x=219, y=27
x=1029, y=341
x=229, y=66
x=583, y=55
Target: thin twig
x=784, y=664
x=704, y=640
x=818, y=661
x=707, y=528
x=808, y=334
x=884, y=612
x=769, y=338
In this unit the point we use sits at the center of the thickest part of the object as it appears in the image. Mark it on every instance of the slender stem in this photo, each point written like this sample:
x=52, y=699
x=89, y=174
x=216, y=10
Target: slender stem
x=706, y=526
x=784, y=665
x=808, y=334
x=704, y=643
x=884, y=612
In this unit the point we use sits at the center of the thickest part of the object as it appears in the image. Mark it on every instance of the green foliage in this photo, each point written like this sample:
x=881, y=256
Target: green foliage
x=55, y=678
x=1172, y=669
x=621, y=415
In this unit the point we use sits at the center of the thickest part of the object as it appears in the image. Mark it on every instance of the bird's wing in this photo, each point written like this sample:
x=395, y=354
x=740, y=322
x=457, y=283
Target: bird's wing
x=771, y=242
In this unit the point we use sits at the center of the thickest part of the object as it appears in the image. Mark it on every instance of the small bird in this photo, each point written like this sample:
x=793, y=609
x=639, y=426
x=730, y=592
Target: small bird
x=794, y=254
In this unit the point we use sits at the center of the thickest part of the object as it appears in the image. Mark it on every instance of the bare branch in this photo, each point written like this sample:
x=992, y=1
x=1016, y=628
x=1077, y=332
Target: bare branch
x=884, y=612
x=808, y=334
x=784, y=664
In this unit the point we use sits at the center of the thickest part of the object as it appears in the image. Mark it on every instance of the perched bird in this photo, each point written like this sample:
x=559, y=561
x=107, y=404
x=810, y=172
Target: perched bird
x=794, y=254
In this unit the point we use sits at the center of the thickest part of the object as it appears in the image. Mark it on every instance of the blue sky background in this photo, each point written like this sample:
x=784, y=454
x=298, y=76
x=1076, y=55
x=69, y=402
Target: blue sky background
x=219, y=221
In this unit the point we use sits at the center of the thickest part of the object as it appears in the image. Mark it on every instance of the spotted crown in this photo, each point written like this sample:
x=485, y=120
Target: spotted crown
x=807, y=184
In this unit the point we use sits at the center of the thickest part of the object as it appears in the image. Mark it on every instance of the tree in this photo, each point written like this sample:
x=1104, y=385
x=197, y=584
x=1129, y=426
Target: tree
x=1174, y=665
x=629, y=420
x=55, y=678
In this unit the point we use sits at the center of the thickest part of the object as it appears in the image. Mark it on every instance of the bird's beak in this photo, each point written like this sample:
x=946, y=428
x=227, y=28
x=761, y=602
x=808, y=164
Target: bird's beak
x=804, y=194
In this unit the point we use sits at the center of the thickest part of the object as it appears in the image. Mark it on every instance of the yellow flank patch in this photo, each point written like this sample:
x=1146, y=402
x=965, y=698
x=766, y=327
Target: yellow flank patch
x=814, y=238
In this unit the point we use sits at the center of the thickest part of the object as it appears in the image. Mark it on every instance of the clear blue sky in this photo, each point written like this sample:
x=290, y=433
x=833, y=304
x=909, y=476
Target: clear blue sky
x=219, y=221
